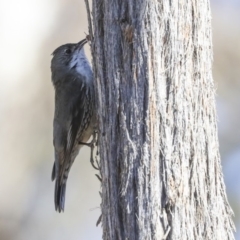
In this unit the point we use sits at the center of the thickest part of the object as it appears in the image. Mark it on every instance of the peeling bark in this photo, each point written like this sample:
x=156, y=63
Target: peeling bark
x=158, y=145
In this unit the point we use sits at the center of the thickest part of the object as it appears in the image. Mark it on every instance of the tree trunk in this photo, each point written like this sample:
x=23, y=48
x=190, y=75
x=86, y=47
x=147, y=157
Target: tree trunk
x=158, y=145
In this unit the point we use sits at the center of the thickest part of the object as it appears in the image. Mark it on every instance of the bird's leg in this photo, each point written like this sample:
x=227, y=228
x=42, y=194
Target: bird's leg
x=91, y=145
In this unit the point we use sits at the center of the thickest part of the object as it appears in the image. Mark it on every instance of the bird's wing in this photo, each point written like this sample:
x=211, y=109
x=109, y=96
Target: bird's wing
x=66, y=136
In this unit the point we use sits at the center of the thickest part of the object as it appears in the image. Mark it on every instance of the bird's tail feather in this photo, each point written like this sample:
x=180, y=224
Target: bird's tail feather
x=60, y=189
x=53, y=172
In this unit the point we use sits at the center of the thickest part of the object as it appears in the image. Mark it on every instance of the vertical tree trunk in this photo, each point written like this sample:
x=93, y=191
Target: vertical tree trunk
x=160, y=163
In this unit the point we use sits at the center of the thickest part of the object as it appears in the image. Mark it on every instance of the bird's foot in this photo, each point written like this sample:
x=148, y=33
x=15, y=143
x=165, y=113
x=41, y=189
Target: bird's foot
x=91, y=145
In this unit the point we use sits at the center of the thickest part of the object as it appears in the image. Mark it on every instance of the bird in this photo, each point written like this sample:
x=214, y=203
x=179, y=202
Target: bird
x=74, y=117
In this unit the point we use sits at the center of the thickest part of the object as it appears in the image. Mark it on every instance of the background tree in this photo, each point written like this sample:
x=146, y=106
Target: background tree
x=158, y=145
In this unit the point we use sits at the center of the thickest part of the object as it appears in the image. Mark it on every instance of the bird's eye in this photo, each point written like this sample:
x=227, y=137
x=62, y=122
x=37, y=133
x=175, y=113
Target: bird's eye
x=68, y=51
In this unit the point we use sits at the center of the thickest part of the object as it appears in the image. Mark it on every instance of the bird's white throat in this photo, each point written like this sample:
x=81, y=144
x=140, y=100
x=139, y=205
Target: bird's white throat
x=81, y=63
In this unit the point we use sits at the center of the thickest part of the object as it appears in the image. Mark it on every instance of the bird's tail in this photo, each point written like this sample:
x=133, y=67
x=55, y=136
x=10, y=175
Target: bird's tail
x=60, y=190
x=59, y=198
x=53, y=172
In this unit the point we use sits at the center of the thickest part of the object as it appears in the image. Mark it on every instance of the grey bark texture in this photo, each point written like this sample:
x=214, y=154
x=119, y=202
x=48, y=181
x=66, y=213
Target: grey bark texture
x=158, y=144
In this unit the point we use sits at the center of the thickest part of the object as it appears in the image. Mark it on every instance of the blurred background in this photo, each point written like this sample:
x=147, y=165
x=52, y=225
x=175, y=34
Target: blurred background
x=30, y=31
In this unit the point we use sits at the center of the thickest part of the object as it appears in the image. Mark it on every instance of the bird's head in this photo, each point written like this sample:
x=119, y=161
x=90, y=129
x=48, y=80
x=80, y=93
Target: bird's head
x=68, y=56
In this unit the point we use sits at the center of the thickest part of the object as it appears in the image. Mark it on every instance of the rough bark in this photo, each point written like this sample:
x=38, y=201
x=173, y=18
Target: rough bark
x=158, y=145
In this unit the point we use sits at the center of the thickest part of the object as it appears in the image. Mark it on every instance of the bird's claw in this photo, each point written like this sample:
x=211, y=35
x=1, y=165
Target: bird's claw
x=99, y=220
x=91, y=145
x=98, y=177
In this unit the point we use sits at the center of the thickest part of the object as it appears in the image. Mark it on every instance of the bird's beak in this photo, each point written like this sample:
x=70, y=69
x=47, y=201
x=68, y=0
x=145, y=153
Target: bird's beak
x=81, y=43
